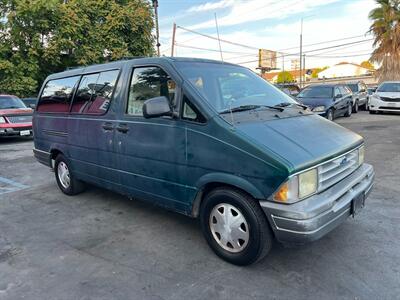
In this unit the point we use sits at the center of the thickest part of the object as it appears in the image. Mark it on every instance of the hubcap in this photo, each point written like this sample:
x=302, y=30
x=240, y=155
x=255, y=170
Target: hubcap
x=229, y=227
x=63, y=175
x=330, y=116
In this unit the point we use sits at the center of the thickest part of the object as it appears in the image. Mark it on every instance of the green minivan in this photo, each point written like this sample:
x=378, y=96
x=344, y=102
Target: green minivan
x=207, y=139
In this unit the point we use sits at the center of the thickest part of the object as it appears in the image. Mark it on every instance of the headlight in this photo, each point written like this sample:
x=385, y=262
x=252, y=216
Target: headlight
x=2, y=120
x=361, y=154
x=319, y=108
x=297, y=187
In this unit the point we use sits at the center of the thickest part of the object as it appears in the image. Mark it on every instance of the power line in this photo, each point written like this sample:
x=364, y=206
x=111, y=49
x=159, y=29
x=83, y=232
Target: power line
x=213, y=50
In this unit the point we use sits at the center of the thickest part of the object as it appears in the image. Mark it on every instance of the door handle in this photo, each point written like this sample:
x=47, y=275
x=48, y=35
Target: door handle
x=108, y=126
x=123, y=128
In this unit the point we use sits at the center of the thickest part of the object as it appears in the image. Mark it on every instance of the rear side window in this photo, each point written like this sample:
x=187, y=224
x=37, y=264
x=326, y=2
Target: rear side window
x=146, y=83
x=94, y=93
x=57, y=95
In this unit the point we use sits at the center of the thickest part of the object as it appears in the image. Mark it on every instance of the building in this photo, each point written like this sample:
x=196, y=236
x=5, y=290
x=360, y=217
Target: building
x=344, y=69
x=273, y=76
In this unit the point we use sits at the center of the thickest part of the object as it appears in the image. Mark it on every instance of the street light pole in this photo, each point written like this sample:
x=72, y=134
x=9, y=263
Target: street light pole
x=155, y=5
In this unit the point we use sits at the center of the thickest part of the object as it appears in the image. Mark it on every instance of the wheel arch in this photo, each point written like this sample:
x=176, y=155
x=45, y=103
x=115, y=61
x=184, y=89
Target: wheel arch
x=211, y=181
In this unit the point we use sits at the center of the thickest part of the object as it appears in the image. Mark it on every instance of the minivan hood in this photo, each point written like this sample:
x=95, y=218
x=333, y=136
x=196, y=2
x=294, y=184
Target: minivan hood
x=313, y=102
x=302, y=141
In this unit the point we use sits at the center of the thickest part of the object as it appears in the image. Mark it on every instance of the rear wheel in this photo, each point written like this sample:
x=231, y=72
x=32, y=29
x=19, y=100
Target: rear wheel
x=329, y=115
x=66, y=181
x=349, y=110
x=235, y=226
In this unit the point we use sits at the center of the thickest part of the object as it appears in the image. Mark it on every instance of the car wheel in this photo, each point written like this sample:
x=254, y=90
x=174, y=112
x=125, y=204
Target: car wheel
x=65, y=179
x=349, y=110
x=235, y=226
x=329, y=115
x=355, y=107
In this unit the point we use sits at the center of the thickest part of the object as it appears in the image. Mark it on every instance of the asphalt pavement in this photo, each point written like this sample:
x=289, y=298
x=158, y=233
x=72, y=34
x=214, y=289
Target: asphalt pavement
x=101, y=245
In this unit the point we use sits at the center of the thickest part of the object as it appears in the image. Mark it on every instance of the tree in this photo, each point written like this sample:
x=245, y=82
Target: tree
x=315, y=72
x=386, y=29
x=284, y=77
x=40, y=37
x=367, y=64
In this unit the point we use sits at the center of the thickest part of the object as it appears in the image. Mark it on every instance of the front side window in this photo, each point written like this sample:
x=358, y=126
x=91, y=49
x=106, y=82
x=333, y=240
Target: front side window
x=227, y=86
x=57, y=95
x=94, y=93
x=147, y=83
x=10, y=102
x=353, y=87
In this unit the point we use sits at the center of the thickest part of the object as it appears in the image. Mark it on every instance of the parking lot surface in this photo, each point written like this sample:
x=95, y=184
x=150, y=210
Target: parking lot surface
x=100, y=245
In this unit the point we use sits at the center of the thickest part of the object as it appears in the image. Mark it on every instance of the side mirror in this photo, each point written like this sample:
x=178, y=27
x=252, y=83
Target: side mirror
x=157, y=107
x=338, y=96
x=32, y=106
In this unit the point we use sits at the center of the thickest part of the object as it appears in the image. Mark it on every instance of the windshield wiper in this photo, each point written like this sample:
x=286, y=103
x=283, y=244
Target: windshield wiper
x=286, y=104
x=248, y=107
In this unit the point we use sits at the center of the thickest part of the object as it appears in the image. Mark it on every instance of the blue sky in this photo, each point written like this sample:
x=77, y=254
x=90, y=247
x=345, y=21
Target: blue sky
x=269, y=24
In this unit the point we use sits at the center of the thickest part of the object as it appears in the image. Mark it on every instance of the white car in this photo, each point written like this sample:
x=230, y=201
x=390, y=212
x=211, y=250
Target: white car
x=385, y=98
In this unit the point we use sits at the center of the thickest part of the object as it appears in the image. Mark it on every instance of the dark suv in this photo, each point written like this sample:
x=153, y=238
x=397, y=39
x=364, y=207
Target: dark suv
x=328, y=100
x=360, y=94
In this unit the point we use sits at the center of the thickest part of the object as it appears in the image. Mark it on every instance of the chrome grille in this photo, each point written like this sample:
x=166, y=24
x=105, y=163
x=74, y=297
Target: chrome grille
x=337, y=169
x=19, y=119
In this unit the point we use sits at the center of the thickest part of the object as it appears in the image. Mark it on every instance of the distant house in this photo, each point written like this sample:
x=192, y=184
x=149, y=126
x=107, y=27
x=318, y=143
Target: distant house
x=344, y=69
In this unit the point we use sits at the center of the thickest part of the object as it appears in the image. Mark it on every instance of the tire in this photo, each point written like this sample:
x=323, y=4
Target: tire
x=355, y=107
x=253, y=238
x=329, y=115
x=349, y=111
x=65, y=179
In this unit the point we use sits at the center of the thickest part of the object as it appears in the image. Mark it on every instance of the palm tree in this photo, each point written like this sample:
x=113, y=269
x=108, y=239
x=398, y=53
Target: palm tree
x=386, y=29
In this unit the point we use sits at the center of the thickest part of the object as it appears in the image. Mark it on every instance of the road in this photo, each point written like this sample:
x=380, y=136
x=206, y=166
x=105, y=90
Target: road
x=100, y=245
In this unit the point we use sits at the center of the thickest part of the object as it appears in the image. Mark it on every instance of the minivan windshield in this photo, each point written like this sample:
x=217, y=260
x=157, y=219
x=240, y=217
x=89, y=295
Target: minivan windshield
x=393, y=87
x=8, y=102
x=316, y=92
x=227, y=86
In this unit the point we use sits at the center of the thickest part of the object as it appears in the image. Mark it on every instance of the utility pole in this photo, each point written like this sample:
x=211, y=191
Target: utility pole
x=219, y=41
x=301, y=51
x=173, y=39
x=155, y=5
x=283, y=62
x=304, y=68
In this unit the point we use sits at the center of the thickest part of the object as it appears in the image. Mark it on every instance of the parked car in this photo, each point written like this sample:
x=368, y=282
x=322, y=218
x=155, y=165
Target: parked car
x=15, y=117
x=328, y=100
x=245, y=158
x=386, y=98
x=291, y=89
x=30, y=102
x=370, y=91
x=360, y=95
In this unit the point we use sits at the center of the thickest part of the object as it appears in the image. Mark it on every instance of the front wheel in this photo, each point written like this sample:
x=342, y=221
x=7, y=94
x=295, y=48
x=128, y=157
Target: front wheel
x=329, y=115
x=235, y=226
x=66, y=181
x=356, y=107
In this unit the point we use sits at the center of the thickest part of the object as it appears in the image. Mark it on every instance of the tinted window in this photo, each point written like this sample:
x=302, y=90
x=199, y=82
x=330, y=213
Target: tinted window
x=146, y=83
x=227, y=86
x=57, y=94
x=84, y=93
x=389, y=87
x=94, y=92
x=337, y=91
x=190, y=112
x=344, y=90
x=9, y=102
x=316, y=92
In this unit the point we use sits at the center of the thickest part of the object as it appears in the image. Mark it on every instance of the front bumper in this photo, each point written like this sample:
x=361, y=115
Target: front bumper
x=375, y=104
x=15, y=130
x=312, y=218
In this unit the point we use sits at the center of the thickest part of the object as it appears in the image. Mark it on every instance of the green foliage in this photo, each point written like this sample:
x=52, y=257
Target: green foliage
x=40, y=37
x=284, y=77
x=315, y=72
x=366, y=64
x=386, y=29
